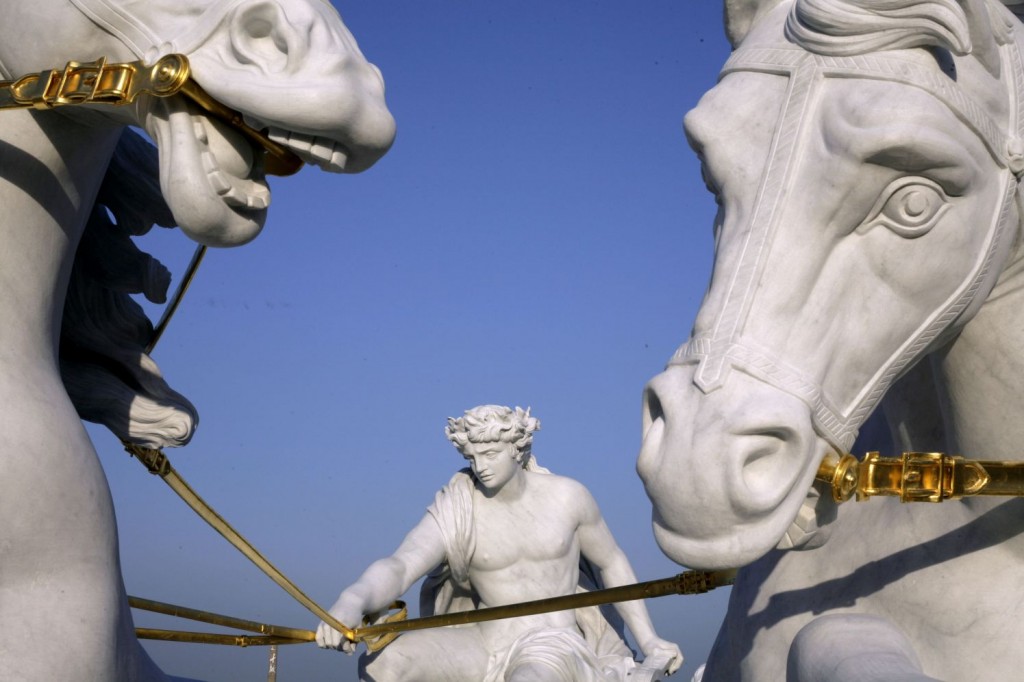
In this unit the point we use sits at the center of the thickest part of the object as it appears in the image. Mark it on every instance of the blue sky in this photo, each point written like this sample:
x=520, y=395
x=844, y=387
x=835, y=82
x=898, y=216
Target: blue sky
x=539, y=236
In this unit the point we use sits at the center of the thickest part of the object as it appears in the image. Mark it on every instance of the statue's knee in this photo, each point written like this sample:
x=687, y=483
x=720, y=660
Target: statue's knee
x=378, y=667
x=852, y=647
x=532, y=672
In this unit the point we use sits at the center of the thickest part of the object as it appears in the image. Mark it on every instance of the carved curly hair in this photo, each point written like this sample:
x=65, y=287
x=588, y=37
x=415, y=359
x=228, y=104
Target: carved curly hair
x=490, y=423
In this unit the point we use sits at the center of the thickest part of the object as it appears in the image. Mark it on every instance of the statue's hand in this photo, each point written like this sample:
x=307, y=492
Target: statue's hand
x=329, y=638
x=656, y=646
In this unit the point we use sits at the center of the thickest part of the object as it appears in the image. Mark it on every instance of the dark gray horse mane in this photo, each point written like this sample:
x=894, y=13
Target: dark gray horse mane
x=845, y=28
x=108, y=375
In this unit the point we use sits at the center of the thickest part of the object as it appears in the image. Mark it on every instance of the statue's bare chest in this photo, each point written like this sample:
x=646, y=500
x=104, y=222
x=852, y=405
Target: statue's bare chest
x=529, y=531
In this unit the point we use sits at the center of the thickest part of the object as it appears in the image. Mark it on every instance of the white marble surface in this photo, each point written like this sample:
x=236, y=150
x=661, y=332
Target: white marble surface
x=867, y=169
x=63, y=612
x=502, y=531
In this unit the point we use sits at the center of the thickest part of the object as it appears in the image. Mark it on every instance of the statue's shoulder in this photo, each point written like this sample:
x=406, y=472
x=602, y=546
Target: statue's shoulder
x=564, y=487
x=459, y=487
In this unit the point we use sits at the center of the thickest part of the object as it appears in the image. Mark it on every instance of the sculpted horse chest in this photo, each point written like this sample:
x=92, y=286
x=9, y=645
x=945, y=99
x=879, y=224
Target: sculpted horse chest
x=290, y=69
x=866, y=158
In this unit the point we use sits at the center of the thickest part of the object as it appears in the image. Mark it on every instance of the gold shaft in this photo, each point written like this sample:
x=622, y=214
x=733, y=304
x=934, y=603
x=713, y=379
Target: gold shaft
x=213, y=638
x=219, y=619
x=157, y=463
x=689, y=582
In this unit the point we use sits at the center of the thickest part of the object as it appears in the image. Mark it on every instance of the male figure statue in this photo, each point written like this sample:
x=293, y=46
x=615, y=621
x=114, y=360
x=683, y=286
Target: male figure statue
x=501, y=532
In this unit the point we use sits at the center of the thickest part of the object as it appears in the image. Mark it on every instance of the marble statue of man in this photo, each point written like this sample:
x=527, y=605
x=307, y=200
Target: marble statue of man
x=502, y=531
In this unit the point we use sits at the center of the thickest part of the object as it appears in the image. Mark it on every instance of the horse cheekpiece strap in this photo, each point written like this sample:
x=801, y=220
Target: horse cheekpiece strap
x=98, y=82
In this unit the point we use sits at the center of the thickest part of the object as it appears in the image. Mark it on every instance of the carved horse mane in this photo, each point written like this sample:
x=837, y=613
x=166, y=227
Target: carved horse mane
x=109, y=376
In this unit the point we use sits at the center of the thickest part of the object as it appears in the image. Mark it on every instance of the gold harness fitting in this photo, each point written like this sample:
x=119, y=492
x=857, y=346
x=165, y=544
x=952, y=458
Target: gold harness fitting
x=98, y=82
x=919, y=477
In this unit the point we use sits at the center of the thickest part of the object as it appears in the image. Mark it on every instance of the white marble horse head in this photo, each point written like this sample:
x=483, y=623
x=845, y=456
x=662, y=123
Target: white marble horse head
x=289, y=66
x=865, y=157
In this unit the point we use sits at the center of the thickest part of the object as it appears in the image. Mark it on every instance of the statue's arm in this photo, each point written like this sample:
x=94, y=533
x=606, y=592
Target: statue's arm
x=598, y=546
x=385, y=581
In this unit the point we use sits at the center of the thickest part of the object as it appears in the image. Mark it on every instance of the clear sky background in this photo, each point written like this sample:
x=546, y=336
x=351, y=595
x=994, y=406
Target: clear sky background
x=539, y=236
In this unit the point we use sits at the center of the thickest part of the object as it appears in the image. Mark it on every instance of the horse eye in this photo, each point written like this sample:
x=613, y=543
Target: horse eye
x=911, y=207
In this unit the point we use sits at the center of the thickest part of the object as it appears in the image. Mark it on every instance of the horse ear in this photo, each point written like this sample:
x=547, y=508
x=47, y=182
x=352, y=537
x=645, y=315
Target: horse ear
x=984, y=46
x=740, y=16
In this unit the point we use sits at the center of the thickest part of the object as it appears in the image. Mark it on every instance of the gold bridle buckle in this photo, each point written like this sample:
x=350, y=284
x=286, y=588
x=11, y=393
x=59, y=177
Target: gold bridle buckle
x=80, y=83
x=918, y=477
x=927, y=477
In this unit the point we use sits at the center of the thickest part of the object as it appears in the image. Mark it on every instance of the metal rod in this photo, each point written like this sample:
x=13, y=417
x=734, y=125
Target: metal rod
x=213, y=638
x=157, y=463
x=218, y=619
x=689, y=582
x=172, y=307
x=272, y=664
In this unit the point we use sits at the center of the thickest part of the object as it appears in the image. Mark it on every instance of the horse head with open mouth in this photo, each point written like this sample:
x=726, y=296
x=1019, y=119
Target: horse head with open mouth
x=866, y=158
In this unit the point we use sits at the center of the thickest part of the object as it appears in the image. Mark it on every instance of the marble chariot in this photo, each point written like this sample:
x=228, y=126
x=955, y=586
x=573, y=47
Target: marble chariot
x=291, y=68
x=866, y=157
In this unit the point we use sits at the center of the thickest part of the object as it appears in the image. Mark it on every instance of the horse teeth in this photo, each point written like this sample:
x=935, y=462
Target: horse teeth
x=234, y=197
x=300, y=143
x=200, y=132
x=321, y=151
x=220, y=182
x=257, y=203
x=209, y=162
x=338, y=161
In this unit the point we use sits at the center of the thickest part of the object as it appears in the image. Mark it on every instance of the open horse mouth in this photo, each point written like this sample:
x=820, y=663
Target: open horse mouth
x=326, y=154
x=213, y=177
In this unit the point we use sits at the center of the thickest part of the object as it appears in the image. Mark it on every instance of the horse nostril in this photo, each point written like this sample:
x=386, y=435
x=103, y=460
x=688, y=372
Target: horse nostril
x=767, y=465
x=654, y=414
x=649, y=461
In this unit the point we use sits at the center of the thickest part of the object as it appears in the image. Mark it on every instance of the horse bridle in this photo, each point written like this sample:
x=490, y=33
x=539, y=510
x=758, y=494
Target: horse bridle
x=724, y=346
x=100, y=82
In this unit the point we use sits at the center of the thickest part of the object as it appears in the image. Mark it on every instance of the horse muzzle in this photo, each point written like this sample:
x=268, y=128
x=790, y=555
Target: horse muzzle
x=727, y=470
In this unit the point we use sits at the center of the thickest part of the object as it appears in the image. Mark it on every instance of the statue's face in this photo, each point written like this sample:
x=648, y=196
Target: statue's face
x=494, y=463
